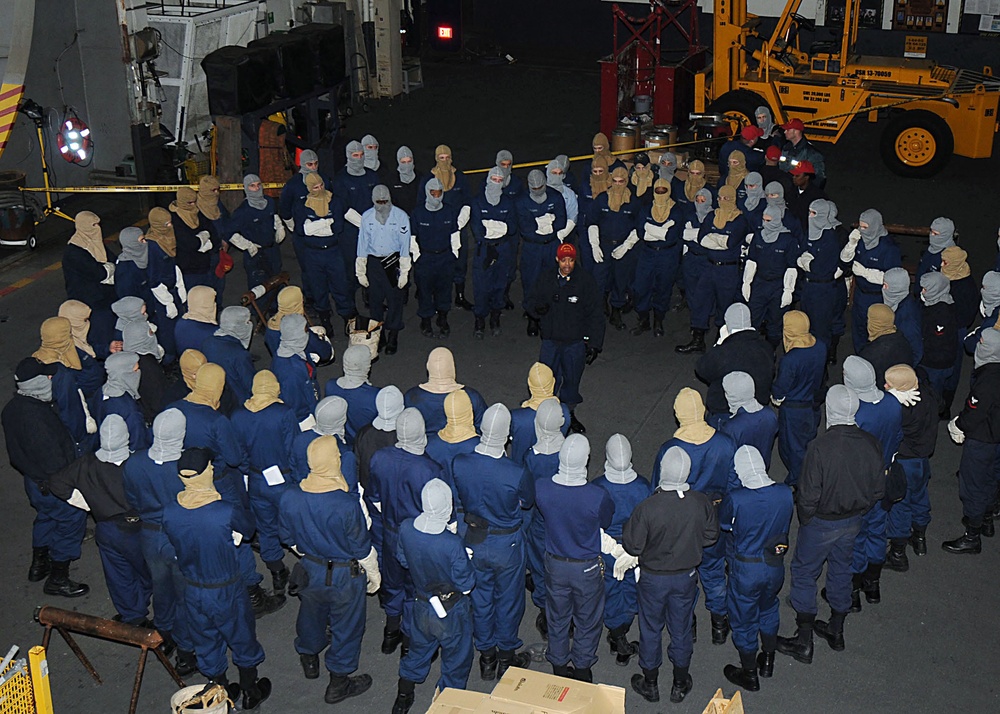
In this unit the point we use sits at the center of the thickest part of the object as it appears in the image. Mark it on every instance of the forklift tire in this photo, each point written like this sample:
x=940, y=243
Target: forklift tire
x=740, y=105
x=32, y=242
x=916, y=144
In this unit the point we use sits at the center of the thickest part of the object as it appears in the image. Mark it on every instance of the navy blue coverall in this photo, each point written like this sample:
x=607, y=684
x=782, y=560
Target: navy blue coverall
x=798, y=386
x=538, y=224
x=493, y=258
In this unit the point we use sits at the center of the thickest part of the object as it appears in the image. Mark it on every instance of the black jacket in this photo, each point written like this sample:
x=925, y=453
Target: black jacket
x=99, y=482
x=920, y=425
x=798, y=203
x=668, y=533
x=966, y=295
x=367, y=441
x=939, y=329
x=38, y=443
x=83, y=275
x=745, y=351
x=886, y=351
x=568, y=310
x=842, y=475
x=980, y=417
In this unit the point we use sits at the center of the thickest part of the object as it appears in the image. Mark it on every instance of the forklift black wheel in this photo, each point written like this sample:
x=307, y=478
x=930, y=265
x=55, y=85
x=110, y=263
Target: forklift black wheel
x=739, y=107
x=32, y=242
x=917, y=144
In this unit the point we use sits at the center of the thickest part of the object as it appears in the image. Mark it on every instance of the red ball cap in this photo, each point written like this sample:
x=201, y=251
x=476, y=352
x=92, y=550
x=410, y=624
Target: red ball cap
x=751, y=132
x=773, y=153
x=566, y=250
x=803, y=167
x=794, y=124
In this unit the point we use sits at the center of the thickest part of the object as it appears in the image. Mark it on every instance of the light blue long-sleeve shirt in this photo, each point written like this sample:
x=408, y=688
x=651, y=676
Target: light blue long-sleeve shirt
x=384, y=239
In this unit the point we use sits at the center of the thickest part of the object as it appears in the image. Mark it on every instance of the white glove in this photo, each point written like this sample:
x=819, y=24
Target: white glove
x=847, y=254
x=494, y=229
x=243, y=244
x=318, y=330
x=594, y=234
x=314, y=358
x=957, y=435
x=452, y=527
x=456, y=243
x=777, y=402
x=619, y=252
x=872, y=275
x=162, y=294
x=258, y=291
x=690, y=232
x=561, y=235
x=907, y=397
x=610, y=546
x=205, y=239
x=748, y=239
x=543, y=224
x=788, y=286
x=854, y=237
x=715, y=241
x=279, y=230
x=91, y=422
x=805, y=260
x=414, y=248
x=685, y=250
x=370, y=565
x=838, y=274
x=982, y=309
x=171, y=310
x=653, y=232
x=463, y=217
x=404, y=271
x=353, y=217
x=182, y=292
x=109, y=269
x=319, y=227
x=289, y=224
x=623, y=564
x=748, y=272
x=360, y=270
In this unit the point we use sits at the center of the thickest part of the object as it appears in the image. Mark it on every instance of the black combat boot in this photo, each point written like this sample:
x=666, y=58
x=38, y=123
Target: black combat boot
x=575, y=425
x=324, y=320
x=391, y=342
x=987, y=530
x=833, y=631
x=870, y=583
x=343, y=687
x=425, y=327
x=616, y=318
x=658, y=324
x=279, y=578
x=460, y=301
x=264, y=603
x=508, y=304
x=831, y=355
x=697, y=343
x=532, y=329
x=621, y=646
x=765, y=660
x=800, y=645
x=391, y=635
x=745, y=675
x=857, y=582
x=643, y=325
x=565, y=670
x=495, y=323
x=966, y=544
x=720, y=629
x=40, y=565
x=488, y=664
x=404, y=697
x=232, y=688
x=255, y=690
x=479, y=331
x=59, y=583
x=681, y=686
x=186, y=663
x=646, y=684
x=310, y=665
x=584, y=674
x=896, y=558
x=510, y=658
x=918, y=540
x=442, y=323
x=542, y=625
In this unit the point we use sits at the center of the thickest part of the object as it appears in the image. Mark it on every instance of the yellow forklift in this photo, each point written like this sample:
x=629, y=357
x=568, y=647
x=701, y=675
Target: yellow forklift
x=933, y=110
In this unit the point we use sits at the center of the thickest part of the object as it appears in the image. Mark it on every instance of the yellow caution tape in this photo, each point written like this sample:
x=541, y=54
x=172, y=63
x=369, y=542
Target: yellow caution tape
x=152, y=188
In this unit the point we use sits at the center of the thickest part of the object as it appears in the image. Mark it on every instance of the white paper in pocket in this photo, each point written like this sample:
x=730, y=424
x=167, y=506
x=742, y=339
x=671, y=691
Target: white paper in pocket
x=273, y=476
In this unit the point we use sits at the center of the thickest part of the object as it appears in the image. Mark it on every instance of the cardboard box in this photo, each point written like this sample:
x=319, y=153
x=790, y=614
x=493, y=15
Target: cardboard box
x=456, y=701
x=523, y=691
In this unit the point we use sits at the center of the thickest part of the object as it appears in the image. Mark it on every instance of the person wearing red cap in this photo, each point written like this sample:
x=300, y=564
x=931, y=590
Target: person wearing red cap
x=568, y=306
x=805, y=191
x=747, y=141
x=797, y=148
x=772, y=171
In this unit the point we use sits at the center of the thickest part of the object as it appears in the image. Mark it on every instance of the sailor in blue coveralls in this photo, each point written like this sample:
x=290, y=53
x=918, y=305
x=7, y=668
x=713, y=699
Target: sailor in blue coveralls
x=665, y=537
x=494, y=491
x=295, y=192
x=820, y=264
x=120, y=395
x=459, y=436
x=870, y=252
x=202, y=528
x=428, y=398
x=797, y=392
x=897, y=295
x=322, y=521
x=750, y=423
x=354, y=186
x=258, y=232
x=458, y=195
x=881, y=415
x=611, y=227
x=295, y=369
x=229, y=348
x=759, y=516
x=493, y=220
x=575, y=513
x=711, y=472
x=163, y=277
x=151, y=482
x=435, y=242
x=330, y=416
x=660, y=225
x=541, y=218
x=397, y=475
x=770, y=274
x=355, y=389
x=541, y=461
x=627, y=489
x=266, y=427
x=541, y=386
x=442, y=577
